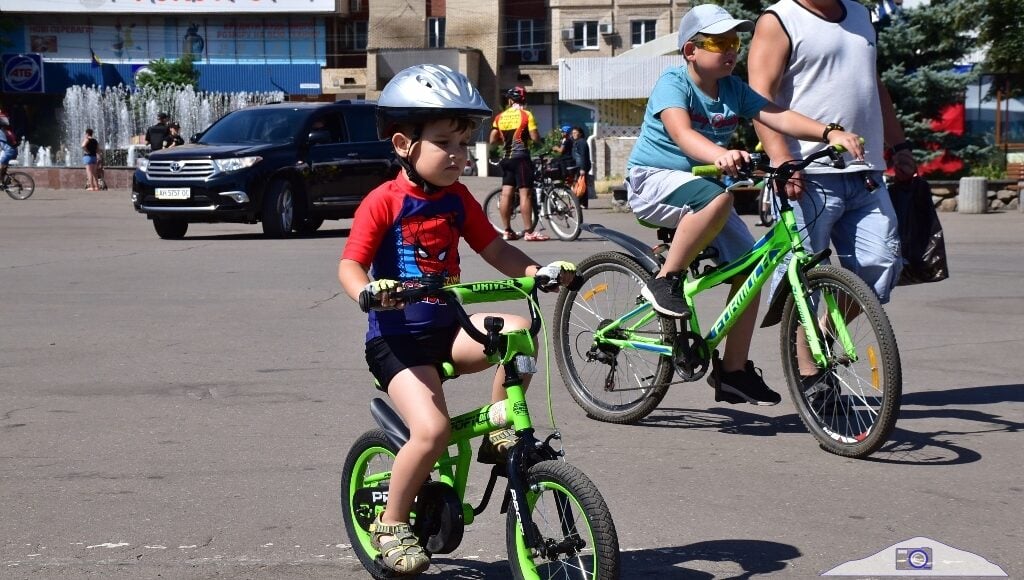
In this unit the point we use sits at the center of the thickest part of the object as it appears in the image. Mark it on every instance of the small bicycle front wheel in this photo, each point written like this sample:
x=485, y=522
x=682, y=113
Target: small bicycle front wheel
x=579, y=536
x=850, y=406
x=492, y=208
x=364, y=486
x=564, y=214
x=612, y=384
x=20, y=185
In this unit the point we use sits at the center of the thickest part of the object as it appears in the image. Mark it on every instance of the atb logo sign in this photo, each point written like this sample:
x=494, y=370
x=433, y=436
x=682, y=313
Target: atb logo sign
x=22, y=73
x=920, y=557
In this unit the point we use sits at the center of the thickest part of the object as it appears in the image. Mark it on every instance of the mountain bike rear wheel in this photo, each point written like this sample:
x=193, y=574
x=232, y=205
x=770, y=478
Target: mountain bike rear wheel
x=370, y=456
x=851, y=406
x=572, y=517
x=19, y=185
x=563, y=211
x=611, y=384
x=493, y=211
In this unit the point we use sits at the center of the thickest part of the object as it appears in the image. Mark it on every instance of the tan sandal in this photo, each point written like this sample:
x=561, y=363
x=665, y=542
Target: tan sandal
x=403, y=553
x=494, y=448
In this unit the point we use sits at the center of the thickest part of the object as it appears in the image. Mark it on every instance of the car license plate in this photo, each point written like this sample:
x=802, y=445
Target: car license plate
x=173, y=193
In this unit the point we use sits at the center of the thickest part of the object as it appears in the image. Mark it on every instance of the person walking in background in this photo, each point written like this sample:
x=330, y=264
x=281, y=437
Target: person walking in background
x=90, y=156
x=581, y=159
x=156, y=134
x=516, y=129
x=564, y=149
x=173, y=138
x=818, y=57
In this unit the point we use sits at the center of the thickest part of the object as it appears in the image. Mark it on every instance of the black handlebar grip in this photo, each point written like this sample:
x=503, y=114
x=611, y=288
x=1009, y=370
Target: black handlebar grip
x=367, y=301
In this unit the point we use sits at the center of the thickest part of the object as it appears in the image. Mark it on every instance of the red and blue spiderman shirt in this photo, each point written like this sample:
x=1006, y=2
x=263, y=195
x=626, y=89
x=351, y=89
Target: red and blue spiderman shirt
x=401, y=233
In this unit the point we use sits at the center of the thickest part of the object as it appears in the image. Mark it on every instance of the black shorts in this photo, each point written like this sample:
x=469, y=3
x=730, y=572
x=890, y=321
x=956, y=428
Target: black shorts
x=517, y=172
x=389, y=355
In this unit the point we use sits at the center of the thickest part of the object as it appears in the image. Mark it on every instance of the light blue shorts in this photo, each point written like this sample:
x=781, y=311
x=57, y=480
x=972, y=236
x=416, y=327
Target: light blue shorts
x=663, y=196
x=860, y=224
x=88, y=159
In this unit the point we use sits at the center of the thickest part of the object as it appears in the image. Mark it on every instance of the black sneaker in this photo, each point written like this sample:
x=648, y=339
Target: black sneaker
x=742, y=386
x=665, y=296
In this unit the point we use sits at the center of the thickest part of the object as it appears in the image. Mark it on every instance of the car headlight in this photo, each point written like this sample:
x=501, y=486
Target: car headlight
x=235, y=163
x=142, y=163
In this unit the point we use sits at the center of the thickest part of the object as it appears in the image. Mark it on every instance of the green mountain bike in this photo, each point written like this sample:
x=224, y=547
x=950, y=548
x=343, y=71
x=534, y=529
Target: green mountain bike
x=618, y=357
x=557, y=524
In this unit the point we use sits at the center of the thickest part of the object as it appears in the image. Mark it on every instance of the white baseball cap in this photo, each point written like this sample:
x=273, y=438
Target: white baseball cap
x=709, y=19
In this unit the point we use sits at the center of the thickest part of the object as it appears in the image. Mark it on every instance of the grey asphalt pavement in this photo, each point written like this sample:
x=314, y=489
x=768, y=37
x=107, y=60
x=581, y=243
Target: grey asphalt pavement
x=181, y=409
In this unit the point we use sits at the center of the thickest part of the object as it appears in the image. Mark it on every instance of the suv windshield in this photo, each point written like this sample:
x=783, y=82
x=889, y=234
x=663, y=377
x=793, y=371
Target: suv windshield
x=277, y=126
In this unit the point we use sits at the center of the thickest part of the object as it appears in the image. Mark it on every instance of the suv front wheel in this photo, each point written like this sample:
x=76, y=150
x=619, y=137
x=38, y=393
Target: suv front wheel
x=278, y=209
x=170, y=228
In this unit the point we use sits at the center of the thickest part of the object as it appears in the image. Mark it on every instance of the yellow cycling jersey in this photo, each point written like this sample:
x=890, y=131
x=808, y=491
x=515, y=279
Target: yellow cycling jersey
x=514, y=125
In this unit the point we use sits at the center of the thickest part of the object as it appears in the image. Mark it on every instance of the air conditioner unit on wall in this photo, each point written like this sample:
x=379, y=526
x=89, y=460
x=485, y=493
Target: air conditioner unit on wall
x=567, y=34
x=606, y=28
x=530, y=55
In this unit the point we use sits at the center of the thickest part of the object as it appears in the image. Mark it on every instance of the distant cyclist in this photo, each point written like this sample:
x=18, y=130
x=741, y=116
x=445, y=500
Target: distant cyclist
x=8, y=145
x=516, y=130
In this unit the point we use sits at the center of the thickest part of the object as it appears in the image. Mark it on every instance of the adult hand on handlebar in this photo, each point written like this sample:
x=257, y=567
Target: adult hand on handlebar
x=385, y=292
x=555, y=274
x=732, y=162
x=852, y=142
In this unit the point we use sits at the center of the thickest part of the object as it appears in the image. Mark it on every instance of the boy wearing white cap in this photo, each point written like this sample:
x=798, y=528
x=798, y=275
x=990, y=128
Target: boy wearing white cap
x=691, y=116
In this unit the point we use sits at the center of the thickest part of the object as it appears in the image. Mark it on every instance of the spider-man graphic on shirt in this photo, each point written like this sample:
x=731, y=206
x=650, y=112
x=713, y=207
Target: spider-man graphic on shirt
x=401, y=233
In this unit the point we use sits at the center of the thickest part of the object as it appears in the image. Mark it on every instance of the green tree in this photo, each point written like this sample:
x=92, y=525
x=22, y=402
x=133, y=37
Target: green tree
x=999, y=25
x=163, y=73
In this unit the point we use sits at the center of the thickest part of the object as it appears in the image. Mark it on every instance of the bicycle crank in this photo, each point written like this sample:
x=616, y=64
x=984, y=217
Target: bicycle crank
x=691, y=356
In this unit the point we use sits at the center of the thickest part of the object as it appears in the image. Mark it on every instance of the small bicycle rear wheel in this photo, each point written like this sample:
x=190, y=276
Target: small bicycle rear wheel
x=616, y=385
x=850, y=406
x=574, y=522
x=369, y=460
x=564, y=214
x=20, y=185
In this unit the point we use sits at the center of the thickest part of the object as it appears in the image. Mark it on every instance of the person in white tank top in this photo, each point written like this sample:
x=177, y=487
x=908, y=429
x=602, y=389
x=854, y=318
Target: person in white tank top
x=818, y=57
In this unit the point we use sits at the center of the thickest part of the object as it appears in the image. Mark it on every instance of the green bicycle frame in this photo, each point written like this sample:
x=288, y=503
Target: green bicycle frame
x=761, y=261
x=512, y=412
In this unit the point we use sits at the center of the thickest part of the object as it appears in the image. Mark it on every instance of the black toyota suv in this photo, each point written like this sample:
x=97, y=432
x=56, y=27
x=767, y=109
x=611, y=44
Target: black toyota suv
x=287, y=165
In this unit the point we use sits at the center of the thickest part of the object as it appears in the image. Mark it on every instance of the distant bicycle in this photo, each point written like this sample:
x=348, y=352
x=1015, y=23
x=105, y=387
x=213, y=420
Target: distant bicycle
x=19, y=185
x=553, y=202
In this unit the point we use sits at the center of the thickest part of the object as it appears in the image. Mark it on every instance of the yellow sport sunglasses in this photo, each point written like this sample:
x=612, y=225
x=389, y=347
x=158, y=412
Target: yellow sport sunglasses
x=719, y=44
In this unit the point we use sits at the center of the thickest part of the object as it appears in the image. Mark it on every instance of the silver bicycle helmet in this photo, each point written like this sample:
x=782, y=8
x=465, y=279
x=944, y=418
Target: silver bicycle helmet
x=428, y=91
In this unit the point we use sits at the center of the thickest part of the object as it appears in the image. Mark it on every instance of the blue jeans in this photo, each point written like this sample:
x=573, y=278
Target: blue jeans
x=7, y=153
x=860, y=224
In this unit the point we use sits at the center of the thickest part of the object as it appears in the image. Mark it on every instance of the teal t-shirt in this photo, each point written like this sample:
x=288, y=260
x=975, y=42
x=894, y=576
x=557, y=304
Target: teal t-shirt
x=716, y=119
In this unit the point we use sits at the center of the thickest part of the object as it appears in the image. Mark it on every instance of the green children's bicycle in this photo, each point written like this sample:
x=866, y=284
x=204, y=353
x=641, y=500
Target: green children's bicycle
x=618, y=357
x=557, y=525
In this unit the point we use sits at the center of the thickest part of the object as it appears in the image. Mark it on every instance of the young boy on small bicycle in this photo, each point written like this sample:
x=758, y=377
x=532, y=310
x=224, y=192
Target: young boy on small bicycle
x=407, y=228
x=691, y=116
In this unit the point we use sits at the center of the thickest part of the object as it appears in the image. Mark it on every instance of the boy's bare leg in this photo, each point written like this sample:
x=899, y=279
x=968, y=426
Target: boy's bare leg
x=419, y=399
x=695, y=231
x=469, y=358
x=737, y=344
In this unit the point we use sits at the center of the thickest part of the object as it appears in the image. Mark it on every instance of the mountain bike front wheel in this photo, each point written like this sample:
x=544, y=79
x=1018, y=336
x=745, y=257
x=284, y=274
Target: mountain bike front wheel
x=19, y=185
x=612, y=384
x=370, y=457
x=850, y=406
x=563, y=212
x=580, y=541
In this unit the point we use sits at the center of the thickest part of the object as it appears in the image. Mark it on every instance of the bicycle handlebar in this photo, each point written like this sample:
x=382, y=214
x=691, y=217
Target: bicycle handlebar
x=473, y=293
x=760, y=161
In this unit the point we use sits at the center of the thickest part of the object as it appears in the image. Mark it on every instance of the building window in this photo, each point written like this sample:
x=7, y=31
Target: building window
x=353, y=35
x=355, y=6
x=435, y=32
x=584, y=35
x=642, y=31
x=523, y=34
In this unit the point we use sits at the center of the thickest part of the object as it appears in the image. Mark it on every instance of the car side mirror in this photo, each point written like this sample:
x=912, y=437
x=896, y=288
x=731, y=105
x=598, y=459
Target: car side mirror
x=319, y=137
x=195, y=137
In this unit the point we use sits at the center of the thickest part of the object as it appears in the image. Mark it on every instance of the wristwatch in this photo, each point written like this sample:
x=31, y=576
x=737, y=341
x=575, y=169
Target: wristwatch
x=829, y=128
